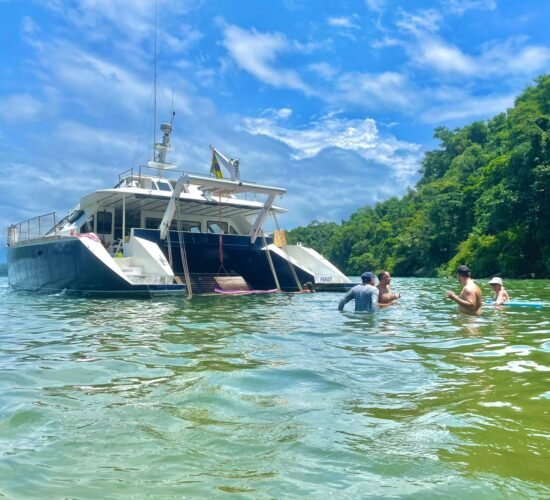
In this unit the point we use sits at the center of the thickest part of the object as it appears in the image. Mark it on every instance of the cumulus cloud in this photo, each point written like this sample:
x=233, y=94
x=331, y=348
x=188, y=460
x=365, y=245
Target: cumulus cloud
x=257, y=53
x=443, y=57
x=334, y=157
x=360, y=136
x=88, y=78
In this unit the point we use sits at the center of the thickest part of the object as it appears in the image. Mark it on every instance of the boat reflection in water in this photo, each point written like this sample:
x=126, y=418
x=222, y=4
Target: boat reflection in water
x=164, y=231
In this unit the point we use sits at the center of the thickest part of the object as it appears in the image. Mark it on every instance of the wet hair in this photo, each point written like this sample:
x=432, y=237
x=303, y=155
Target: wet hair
x=381, y=275
x=308, y=285
x=464, y=271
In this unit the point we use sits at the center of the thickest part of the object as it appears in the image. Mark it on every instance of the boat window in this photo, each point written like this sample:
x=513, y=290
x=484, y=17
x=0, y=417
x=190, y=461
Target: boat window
x=232, y=230
x=88, y=226
x=151, y=223
x=75, y=216
x=182, y=225
x=190, y=226
x=217, y=227
x=164, y=186
x=104, y=222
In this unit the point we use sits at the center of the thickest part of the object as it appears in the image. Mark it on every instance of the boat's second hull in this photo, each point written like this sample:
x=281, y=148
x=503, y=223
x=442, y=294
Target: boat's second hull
x=66, y=265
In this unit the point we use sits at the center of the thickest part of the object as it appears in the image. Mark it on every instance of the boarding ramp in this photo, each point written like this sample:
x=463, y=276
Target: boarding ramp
x=205, y=283
x=324, y=274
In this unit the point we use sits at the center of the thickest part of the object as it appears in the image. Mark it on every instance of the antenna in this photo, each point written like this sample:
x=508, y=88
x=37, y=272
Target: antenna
x=155, y=87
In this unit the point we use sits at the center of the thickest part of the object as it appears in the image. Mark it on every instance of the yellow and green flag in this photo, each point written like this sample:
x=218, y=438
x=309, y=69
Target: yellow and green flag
x=215, y=169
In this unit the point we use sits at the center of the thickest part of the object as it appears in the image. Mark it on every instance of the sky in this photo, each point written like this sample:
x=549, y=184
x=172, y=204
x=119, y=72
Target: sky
x=334, y=101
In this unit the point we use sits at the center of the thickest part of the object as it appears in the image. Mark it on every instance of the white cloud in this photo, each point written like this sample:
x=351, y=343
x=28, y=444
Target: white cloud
x=458, y=105
x=419, y=23
x=513, y=56
x=386, y=41
x=342, y=22
x=374, y=91
x=256, y=53
x=324, y=70
x=20, y=108
x=510, y=57
x=83, y=72
x=443, y=57
x=429, y=50
x=98, y=18
x=375, y=5
x=284, y=113
x=460, y=6
x=187, y=37
x=360, y=136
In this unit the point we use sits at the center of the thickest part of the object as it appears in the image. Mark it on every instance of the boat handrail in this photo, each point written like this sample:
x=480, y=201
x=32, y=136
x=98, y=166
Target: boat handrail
x=32, y=228
x=144, y=170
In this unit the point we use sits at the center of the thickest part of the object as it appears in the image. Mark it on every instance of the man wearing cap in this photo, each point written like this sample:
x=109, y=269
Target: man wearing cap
x=365, y=295
x=500, y=295
x=470, y=299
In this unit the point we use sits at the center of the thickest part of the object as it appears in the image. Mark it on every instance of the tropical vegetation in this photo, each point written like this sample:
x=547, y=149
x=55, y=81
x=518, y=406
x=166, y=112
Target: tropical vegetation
x=482, y=200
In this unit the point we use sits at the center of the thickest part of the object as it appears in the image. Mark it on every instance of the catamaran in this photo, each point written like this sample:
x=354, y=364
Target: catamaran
x=160, y=230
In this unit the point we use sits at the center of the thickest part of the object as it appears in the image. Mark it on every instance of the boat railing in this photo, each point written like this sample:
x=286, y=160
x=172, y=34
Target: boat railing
x=31, y=229
x=131, y=175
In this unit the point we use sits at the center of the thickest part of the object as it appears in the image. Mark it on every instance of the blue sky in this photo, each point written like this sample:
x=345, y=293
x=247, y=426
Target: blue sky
x=336, y=101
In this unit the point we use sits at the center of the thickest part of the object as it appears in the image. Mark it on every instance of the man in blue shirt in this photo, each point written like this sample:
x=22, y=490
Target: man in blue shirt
x=365, y=295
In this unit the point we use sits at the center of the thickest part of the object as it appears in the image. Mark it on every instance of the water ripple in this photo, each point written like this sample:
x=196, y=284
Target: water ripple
x=273, y=396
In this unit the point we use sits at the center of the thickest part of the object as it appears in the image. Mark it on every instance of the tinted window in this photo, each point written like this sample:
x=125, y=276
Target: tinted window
x=151, y=223
x=182, y=225
x=104, y=222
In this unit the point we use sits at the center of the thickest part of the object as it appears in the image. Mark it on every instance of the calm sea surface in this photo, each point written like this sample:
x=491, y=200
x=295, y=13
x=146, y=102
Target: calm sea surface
x=275, y=396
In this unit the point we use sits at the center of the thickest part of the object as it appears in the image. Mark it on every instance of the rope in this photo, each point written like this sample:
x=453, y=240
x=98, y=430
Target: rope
x=288, y=258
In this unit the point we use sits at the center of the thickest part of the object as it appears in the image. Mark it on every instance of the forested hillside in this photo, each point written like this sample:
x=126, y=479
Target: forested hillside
x=483, y=200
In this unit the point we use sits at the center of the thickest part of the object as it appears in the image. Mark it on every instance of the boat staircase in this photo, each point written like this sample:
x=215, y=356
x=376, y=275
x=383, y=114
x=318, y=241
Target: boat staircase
x=208, y=282
x=135, y=273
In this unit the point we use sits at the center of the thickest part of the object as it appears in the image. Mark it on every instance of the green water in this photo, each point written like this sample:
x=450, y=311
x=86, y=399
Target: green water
x=274, y=396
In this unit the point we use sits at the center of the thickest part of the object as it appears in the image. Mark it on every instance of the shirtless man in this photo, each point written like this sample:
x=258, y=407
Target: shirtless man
x=469, y=301
x=386, y=296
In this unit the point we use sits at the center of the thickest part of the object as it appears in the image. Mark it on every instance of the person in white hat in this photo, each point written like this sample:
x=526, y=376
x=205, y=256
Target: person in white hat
x=500, y=295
